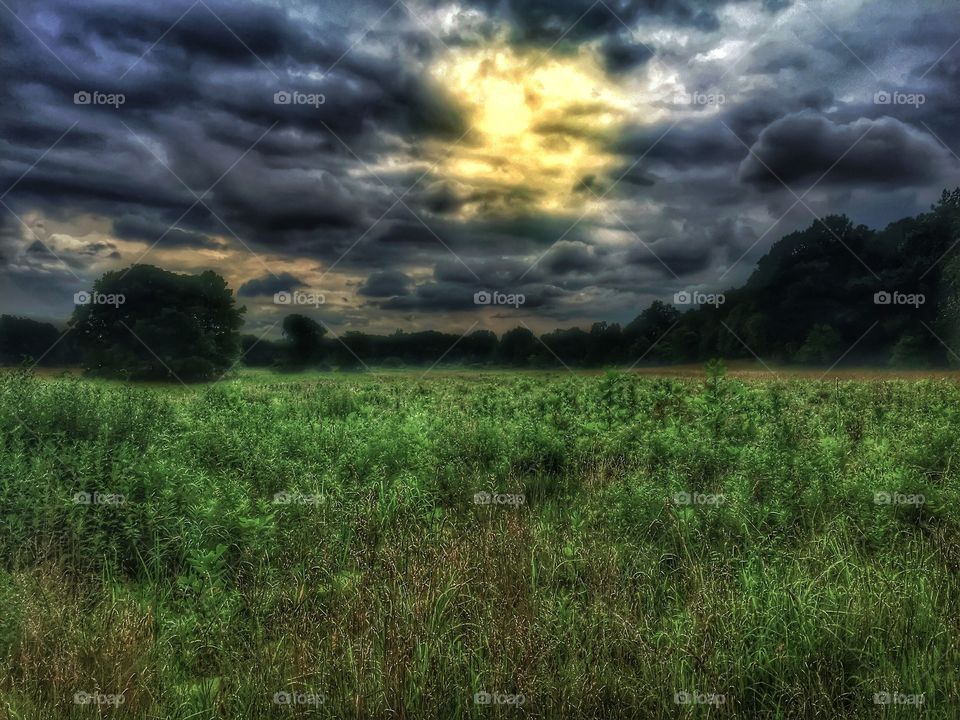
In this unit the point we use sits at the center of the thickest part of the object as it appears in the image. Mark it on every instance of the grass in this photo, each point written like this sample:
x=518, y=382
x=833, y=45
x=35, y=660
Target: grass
x=383, y=590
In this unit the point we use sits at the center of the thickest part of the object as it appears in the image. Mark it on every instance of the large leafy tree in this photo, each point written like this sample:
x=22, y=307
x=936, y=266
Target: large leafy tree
x=145, y=323
x=646, y=335
x=605, y=347
x=570, y=345
x=480, y=346
x=517, y=346
x=305, y=340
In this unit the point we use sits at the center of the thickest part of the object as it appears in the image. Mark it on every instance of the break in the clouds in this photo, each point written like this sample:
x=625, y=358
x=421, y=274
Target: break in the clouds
x=399, y=158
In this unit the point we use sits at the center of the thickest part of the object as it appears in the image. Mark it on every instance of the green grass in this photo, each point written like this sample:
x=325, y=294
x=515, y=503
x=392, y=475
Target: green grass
x=394, y=595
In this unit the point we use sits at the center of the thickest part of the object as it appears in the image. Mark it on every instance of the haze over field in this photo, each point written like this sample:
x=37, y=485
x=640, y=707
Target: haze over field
x=400, y=157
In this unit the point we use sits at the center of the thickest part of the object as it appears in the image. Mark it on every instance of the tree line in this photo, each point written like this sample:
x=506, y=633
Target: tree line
x=833, y=292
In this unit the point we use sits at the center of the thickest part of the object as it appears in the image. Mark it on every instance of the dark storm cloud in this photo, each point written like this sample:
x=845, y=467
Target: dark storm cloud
x=696, y=247
x=307, y=180
x=37, y=248
x=631, y=174
x=202, y=99
x=270, y=285
x=443, y=198
x=539, y=21
x=449, y=198
x=201, y=55
x=669, y=259
x=802, y=148
x=703, y=140
x=571, y=257
x=386, y=283
x=438, y=297
x=622, y=55
x=748, y=118
x=408, y=232
x=485, y=247
x=434, y=297
x=136, y=227
x=770, y=59
x=490, y=271
x=700, y=143
x=276, y=201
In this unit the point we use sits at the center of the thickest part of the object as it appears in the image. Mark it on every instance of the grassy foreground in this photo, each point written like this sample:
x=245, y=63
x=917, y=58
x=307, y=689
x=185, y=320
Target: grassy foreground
x=649, y=548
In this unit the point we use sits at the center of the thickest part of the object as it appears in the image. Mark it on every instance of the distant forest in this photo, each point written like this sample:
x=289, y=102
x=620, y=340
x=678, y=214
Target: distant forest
x=832, y=293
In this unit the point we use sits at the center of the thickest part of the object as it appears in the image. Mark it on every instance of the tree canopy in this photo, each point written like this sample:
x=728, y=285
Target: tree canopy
x=145, y=323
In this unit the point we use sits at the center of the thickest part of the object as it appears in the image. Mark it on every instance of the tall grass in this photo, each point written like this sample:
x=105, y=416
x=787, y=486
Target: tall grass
x=383, y=590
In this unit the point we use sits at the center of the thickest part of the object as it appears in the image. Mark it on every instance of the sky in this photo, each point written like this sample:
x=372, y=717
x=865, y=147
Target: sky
x=378, y=164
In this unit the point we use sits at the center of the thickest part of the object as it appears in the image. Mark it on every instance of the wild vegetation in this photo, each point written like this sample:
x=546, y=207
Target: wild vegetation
x=768, y=549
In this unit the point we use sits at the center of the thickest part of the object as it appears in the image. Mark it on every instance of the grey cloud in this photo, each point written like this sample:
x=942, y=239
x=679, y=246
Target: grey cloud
x=386, y=283
x=137, y=227
x=267, y=285
x=621, y=55
x=803, y=147
x=200, y=100
x=539, y=21
x=571, y=257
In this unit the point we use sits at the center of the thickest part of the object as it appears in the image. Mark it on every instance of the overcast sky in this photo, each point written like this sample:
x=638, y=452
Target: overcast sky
x=397, y=158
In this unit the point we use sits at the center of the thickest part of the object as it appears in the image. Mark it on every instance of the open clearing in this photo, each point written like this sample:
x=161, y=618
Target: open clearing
x=380, y=545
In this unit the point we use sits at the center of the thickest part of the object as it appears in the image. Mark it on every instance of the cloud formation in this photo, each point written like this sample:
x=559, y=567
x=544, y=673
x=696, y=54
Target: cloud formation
x=592, y=156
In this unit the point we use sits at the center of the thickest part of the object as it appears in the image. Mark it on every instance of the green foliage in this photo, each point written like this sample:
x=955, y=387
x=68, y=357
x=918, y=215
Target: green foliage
x=517, y=346
x=149, y=324
x=319, y=534
x=911, y=351
x=948, y=321
x=28, y=341
x=305, y=340
x=646, y=336
x=822, y=347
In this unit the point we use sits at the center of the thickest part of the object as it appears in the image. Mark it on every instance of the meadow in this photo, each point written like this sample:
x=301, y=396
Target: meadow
x=480, y=545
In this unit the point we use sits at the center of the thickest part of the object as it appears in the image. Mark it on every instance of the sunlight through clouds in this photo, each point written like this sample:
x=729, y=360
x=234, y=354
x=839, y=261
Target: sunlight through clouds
x=540, y=126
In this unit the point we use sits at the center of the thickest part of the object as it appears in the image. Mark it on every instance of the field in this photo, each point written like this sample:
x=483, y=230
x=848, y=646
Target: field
x=474, y=545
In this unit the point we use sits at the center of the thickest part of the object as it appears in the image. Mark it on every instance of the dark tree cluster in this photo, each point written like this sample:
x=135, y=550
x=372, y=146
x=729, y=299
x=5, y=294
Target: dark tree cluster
x=832, y=292
x=145, y=323
x=28, y=342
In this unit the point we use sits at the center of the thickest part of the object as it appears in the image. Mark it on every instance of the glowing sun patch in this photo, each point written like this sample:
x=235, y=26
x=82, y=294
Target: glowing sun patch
x=538, y=127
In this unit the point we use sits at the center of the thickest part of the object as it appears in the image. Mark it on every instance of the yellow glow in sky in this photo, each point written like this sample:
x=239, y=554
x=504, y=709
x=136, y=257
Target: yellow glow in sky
x=538, y=125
